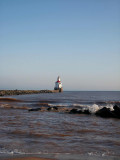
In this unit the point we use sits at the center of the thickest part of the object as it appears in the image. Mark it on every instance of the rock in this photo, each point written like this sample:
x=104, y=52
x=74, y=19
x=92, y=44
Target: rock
x=49, y=108
x=35, y=109
x=116, y=111
x=66, y=110
x=105, y=112
x=73, y=111
x=76, y=111
x=52, y=108
x=20, y=92
x=86, y=111
x=55, y=108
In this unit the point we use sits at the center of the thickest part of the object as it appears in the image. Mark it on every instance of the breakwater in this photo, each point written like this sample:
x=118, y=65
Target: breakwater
x=20, y=92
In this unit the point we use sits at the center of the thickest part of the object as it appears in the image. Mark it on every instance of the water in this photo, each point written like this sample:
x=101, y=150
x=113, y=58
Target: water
x=58, y=133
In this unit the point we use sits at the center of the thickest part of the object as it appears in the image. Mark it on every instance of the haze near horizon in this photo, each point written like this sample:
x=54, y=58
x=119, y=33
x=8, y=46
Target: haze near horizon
x=79, y=40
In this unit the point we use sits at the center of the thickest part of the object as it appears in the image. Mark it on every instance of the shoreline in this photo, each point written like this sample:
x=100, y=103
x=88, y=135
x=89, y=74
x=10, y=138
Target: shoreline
x=26, y=158
x=61, y=156
x=22, y=92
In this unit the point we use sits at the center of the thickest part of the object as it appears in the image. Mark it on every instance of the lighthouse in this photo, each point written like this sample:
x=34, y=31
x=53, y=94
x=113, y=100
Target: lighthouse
x=58, y=85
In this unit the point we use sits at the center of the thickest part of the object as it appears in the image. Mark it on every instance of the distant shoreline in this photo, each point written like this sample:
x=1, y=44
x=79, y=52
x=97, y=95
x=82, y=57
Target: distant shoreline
x=21, y=92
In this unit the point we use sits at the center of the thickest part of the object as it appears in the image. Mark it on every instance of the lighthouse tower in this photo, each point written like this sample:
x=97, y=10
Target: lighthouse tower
x=58, y=85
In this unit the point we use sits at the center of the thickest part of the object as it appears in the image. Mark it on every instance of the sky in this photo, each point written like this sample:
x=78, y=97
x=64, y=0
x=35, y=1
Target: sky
x=79, y=40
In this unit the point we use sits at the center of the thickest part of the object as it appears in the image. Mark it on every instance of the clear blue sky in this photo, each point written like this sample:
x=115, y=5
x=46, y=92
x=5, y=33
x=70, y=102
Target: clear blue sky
x=76, y=39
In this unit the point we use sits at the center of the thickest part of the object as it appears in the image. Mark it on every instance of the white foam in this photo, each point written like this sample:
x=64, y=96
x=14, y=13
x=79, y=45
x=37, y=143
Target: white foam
x=58, y=105
x=93, y=108
x=110, y=106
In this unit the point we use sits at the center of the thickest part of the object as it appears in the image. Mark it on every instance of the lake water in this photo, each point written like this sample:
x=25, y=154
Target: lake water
x=58, y=133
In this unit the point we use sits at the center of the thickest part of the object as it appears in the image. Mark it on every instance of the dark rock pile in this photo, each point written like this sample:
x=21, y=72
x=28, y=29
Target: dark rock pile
x=104, y=112
x=34, y=109
x=107, y=113
x=79, y=111
x=19, y=92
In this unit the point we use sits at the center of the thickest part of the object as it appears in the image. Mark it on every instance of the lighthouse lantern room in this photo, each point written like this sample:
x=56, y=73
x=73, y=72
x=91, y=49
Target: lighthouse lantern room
x=58, y=85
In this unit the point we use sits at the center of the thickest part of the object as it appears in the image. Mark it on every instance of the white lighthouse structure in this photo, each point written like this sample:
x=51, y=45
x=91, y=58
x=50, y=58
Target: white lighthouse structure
x=58, y=85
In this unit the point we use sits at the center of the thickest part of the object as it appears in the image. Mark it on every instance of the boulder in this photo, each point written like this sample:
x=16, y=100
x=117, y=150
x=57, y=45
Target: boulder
x=86, y=111
x=77, y=111
x=49, y=108
x=35, y=109
x=55, y=108
x=74, y=111
x=52, y=108
x=105, y=112
x=116, y=111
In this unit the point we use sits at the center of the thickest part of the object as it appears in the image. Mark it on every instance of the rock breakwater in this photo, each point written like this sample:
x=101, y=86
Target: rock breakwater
x=20, y=92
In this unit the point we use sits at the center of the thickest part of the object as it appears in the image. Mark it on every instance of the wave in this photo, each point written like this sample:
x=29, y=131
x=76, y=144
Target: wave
x=93, y=108
x=10, y=100
x=8, y=106
x=108, y=108
x=34, y=134
x=68, y=155
x=17, y=152
x=61, y=107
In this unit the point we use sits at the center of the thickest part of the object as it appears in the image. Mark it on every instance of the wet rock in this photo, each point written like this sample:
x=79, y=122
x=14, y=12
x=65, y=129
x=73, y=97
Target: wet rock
x=76, y=111
x=105, y=112
x=55, y=108
x=116, y=111
x=73, y=111
x=86, y=111
x=49, y=108
x=34, y=109
x=52, y=108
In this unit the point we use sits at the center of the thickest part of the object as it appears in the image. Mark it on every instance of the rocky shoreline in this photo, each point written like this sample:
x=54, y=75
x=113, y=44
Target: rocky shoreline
x=46, y=107
x=104, y=112
x=20, y=92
